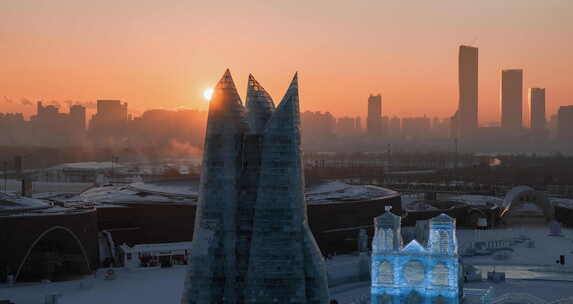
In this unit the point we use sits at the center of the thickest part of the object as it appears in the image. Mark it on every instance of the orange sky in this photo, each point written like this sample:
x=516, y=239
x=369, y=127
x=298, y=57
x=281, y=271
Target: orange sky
x=155, y=54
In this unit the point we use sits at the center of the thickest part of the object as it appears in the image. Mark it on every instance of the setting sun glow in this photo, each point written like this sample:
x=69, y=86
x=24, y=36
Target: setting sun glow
x=208, y=93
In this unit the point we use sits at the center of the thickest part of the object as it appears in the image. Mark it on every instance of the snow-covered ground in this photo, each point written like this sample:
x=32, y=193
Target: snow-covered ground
x=546, y=250
x=146, y=285
x=165, y=285
x=338, y=191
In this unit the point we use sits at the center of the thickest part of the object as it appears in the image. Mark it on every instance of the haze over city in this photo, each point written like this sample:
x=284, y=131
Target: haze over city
x=286, y=152
x=165, y=54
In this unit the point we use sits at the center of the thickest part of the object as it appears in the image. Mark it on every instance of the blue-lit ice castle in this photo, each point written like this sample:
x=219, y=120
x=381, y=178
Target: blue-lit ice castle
x=415, y=273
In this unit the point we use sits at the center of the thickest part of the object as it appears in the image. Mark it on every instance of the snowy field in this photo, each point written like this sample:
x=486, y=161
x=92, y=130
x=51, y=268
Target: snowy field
x=142, y=286
x=146, y=285
x=546, y=250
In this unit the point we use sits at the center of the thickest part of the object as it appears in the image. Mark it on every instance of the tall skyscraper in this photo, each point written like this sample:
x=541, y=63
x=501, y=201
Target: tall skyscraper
x=511, y=100
x=468, y=91
x=374, y=120
x=537, y=110
x=565, y=123
x=252, y=242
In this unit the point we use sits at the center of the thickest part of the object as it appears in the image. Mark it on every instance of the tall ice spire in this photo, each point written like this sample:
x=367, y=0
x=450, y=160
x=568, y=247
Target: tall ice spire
x=212, y=274
x=259, y=105
x=285, y=264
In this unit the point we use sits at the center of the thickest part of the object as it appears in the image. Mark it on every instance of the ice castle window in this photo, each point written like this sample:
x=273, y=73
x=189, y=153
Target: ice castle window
x=414, y=272
x=388, y=239
x=444, y=242
x=440, y=275
x=386, y=273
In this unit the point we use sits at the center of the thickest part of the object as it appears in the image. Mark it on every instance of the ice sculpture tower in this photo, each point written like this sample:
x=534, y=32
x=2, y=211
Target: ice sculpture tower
x=251, y=242
x=285, y=265
x=213, y=272
x=414, y=274
x=260, y=108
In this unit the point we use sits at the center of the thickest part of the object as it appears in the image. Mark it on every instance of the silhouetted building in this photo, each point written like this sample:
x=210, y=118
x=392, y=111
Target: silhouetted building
x=110, y=121
x=374, y=121
x=15, y=130
x=52, y=128
x=78, y=117
x=160, y=127
x=46, y=242
x=537, y=110
x=468, y=91
x=511, y=101
x=565, y=123
x=110, y=111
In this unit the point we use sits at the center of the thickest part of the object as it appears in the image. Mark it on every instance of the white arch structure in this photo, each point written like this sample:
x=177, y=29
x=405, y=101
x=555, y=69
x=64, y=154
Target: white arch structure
x=44, y=234
x=523, y=194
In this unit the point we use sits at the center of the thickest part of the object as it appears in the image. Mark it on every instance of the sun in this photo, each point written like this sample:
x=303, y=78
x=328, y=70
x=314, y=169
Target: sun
x=208, y=93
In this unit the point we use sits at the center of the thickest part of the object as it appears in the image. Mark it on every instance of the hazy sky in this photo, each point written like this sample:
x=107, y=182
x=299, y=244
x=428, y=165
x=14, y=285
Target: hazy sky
x=165, y=53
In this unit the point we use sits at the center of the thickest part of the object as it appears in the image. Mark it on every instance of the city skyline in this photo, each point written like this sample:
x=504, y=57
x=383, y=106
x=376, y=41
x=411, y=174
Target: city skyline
x=155, y=58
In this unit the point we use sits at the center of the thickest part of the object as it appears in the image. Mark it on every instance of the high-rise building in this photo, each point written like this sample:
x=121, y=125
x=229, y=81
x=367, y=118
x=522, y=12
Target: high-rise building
x=468, y=91
x=374, y=120
x=110, y=120
x=537, y=110
x=111, y=111
x=252, y=242
x=565, y=123
x=511, y=101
